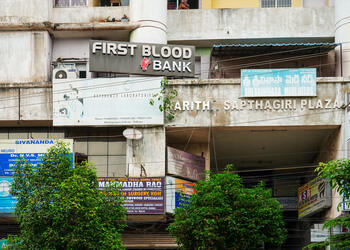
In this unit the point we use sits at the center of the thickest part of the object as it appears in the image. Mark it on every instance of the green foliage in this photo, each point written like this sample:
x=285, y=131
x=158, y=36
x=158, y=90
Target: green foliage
x=223, y=214
x=338, y=174
x=60, y=207
x=166, y=96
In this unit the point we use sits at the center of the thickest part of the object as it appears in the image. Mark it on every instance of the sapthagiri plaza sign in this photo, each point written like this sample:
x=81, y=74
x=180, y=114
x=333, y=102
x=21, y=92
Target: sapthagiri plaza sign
x=139, y=58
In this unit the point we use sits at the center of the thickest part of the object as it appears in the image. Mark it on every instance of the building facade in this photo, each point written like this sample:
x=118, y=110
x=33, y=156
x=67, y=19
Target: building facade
x=277, y=139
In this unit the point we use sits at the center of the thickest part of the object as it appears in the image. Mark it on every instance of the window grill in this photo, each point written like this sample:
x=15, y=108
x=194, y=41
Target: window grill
x=276, y=3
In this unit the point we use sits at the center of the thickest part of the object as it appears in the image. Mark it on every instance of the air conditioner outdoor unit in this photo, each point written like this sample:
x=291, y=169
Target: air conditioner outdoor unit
x=66, y=71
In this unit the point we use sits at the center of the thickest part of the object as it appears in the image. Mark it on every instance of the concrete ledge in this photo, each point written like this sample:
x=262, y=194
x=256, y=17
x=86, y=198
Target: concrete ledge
x=69, y=26
x=94, y=26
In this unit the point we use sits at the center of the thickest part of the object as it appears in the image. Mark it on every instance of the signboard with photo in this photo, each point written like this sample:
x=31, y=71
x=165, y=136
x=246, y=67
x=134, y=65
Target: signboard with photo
x=278, y=82
x=142, y=58
x=144, y=195
x=107, y=102
x=313, y=197
x=185, y=165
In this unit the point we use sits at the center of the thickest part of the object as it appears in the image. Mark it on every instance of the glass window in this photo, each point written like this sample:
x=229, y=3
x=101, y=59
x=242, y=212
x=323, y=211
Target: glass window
x=276, y=3
x=70, y=3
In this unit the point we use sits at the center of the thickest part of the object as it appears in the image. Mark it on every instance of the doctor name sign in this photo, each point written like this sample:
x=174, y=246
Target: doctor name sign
x=143, y=59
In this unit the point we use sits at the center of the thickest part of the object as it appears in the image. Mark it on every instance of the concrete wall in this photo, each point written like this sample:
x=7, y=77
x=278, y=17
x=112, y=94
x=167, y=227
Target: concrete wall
x=26, y=104
x=14, y=12
x=148, y=152
x=242, y=24
x=25, y=57
x=228, y=109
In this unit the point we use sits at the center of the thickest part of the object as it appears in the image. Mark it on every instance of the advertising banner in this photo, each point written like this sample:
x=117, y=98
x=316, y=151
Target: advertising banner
x=313, y=197
x=7, y=201
x=142, y=58
x=10, y=152
x=176, y=187
x=278, y=82
x=144, y=195
x=185, y=165
x=106, y=101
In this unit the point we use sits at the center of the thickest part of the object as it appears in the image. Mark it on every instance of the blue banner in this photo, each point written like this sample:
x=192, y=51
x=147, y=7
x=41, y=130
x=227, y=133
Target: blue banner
x=7, y=201
x=7, y=161
x=278, y=82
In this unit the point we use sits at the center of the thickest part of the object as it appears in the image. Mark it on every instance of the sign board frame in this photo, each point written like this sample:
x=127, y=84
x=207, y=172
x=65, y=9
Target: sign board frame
x=143, y=195
x=278, y=82
x=185, y=165
x=313, y=197
x=142, y=58
x=107, y=101
x=10, y=151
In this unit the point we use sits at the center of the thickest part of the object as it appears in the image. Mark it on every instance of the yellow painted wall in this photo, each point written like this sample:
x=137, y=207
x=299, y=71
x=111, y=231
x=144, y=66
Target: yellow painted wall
x=297, y=3
x=223, y=4
x=206, y=4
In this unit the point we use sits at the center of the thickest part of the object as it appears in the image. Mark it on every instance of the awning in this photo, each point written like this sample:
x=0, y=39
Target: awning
x=264, y=48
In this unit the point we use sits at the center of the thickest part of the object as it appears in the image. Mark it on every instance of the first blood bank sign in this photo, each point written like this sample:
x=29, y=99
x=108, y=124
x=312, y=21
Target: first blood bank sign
x=143, y=59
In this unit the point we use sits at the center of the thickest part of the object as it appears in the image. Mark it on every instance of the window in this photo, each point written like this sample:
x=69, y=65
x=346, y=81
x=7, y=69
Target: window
x=276, y=3
x=70, y=3
x=107, y=154
x=174, y=4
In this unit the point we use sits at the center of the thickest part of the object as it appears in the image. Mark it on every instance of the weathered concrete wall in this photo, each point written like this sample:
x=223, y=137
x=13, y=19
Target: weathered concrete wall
x=218, y=103
x=148, y=152
x=242, y=24
x=25, y=57
x=15, y=12
x=69, y=48
x=87, y=14
x=72, y=48
x=26, y=104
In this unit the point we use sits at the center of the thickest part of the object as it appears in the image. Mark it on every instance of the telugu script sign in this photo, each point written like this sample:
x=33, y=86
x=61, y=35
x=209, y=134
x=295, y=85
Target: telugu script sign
x=278, y=82
x=140, y=58
x=142, y=195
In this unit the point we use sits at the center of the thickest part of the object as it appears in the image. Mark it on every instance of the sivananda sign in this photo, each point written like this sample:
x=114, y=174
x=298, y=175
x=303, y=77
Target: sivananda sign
x=143, y=59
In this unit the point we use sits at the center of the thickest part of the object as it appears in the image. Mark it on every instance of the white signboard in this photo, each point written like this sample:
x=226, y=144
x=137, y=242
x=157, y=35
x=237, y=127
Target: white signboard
x=106, y=101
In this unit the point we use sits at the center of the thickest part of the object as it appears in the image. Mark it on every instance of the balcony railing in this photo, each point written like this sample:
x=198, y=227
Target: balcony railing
x=84, y=3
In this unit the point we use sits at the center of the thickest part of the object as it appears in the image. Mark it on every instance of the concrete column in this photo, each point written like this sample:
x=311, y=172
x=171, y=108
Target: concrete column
x=152, y=14
x=342, y=35
x=146, y=157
